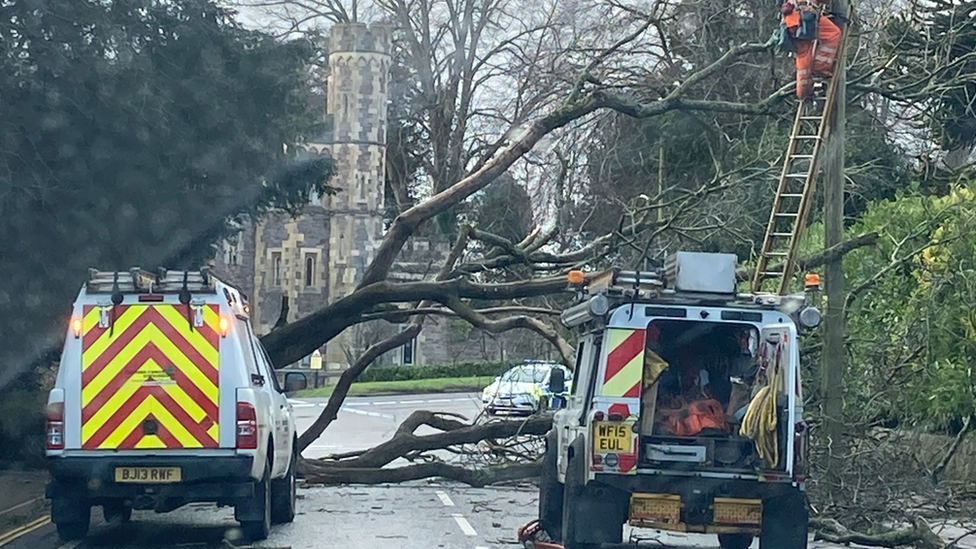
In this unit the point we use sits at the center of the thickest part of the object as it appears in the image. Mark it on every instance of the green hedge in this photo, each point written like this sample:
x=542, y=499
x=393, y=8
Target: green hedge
x=431, y=371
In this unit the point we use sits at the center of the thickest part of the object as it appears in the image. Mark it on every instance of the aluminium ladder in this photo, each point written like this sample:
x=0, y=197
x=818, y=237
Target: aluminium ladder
x=797, y=185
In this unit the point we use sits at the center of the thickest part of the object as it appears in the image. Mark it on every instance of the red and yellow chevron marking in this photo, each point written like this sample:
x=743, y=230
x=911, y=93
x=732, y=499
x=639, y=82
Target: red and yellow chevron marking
x=625, y=363
x=151, y=366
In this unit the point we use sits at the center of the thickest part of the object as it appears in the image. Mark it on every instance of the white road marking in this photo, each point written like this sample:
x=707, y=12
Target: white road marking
x=431, y=401
x=464, y=524
x=412, y=401
x=365, y=413
x=445, y=499
x=19, y=505
x=300, y=403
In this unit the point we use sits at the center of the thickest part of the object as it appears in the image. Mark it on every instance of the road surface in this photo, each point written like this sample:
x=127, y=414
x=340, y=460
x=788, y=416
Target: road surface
x=418, y=515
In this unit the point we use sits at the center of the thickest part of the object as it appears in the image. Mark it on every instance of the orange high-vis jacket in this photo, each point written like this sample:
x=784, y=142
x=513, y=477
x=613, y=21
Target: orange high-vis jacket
x=809, y=62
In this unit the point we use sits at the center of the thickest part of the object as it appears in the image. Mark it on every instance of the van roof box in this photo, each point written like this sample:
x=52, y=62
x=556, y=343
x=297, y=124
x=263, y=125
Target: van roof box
x=137, y=280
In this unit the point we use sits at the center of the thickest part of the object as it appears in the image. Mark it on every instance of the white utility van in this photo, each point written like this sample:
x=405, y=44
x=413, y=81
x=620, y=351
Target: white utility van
x=164, y=396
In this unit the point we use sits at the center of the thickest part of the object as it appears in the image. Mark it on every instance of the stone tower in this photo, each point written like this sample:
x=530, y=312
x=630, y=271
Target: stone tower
x=320, y=256
x=359, y=66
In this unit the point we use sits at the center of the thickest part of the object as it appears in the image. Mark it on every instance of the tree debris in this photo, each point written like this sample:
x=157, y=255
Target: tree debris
x=918, y=535
x=498, y=463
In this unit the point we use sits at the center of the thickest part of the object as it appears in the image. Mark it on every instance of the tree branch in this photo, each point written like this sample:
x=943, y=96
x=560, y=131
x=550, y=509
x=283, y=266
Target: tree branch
x=400, y=315
x=510, y=323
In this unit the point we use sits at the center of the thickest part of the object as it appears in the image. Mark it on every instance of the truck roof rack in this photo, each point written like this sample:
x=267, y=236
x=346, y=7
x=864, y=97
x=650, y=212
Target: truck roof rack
x=139, y=281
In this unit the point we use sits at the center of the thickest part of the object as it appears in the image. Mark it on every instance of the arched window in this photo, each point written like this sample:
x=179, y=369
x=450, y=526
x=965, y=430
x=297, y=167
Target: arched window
x=309, y=270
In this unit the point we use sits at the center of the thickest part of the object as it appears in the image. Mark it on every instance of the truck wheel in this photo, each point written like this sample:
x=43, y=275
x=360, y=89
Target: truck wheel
x=590, y=517
x=260, y=505
x=785, y=522
x=550, y=490
x=735, y=541
x=72, y=516
x=117, y=512
x=283, y=493
x=70, y=531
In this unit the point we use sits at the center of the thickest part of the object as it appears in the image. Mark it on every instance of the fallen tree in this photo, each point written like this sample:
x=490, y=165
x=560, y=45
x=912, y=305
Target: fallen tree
x=488, y=445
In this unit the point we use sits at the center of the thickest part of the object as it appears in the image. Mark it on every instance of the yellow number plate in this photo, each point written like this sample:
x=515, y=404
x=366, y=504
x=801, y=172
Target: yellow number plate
x=611, y=436
x=148, y=475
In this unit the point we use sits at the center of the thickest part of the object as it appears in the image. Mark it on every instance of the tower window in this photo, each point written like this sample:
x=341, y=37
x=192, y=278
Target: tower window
x=362, y=187
x=276, y=268
x=309, y=270
x=408, y=352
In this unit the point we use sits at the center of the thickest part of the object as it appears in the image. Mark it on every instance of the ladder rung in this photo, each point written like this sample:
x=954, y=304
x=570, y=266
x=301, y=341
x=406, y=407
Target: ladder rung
x=798, y=175
x=811, y=118
x=787, y=235
x=807, y=137
x=772, y=273
x=802, y=156
x=775, y=254
x=791, y=195
x=787, y=214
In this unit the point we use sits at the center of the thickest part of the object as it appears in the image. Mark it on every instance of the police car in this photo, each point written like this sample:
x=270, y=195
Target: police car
x=523, y=389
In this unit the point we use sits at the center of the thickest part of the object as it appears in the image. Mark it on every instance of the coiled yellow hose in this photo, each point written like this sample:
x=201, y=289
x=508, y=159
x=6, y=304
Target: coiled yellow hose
x=759, y=422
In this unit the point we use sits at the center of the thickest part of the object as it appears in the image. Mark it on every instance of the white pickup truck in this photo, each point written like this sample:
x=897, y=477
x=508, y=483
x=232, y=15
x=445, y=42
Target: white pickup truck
x=164, y=396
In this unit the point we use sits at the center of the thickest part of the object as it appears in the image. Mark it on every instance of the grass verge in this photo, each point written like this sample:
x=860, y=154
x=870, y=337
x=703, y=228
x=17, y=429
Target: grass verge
x=435, y=385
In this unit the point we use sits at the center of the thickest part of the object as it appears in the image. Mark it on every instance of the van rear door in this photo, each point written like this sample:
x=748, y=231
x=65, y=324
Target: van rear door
x=150, y=377
x=779, y=348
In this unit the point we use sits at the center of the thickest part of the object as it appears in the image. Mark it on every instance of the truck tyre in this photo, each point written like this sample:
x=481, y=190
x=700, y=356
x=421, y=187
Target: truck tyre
x=72, y=516
x=117, y=512
x=283, y=492
x=551, y=490
x=71, y=531
x=260, y=505
x=785, y=522
x=735, y=541
x=589, y=518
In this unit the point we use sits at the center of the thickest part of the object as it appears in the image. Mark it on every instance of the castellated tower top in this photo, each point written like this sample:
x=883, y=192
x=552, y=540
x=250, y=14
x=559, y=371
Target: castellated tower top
x=357, y=37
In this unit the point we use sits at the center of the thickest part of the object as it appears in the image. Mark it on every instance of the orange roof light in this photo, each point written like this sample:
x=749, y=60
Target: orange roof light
x=224, y=326
x=575, y=277
x=76, y=326
x=812, y=281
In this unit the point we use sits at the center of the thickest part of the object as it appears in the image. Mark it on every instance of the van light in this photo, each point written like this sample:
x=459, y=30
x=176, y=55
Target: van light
x=76, y=325
x=811, y=282
x=54, y=426
x=224, y=326
x=810, y=317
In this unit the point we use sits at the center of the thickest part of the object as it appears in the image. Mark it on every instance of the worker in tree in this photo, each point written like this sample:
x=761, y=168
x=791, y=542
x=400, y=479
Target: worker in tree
x=814, y=40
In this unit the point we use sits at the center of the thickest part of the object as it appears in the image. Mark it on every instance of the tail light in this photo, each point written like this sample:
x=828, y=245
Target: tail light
x=247, y=426
x=598, y=416
x=54, y=426
x=800, y=445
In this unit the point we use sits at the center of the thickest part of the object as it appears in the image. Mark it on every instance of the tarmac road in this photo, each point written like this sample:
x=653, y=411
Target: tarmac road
x=417, y=515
